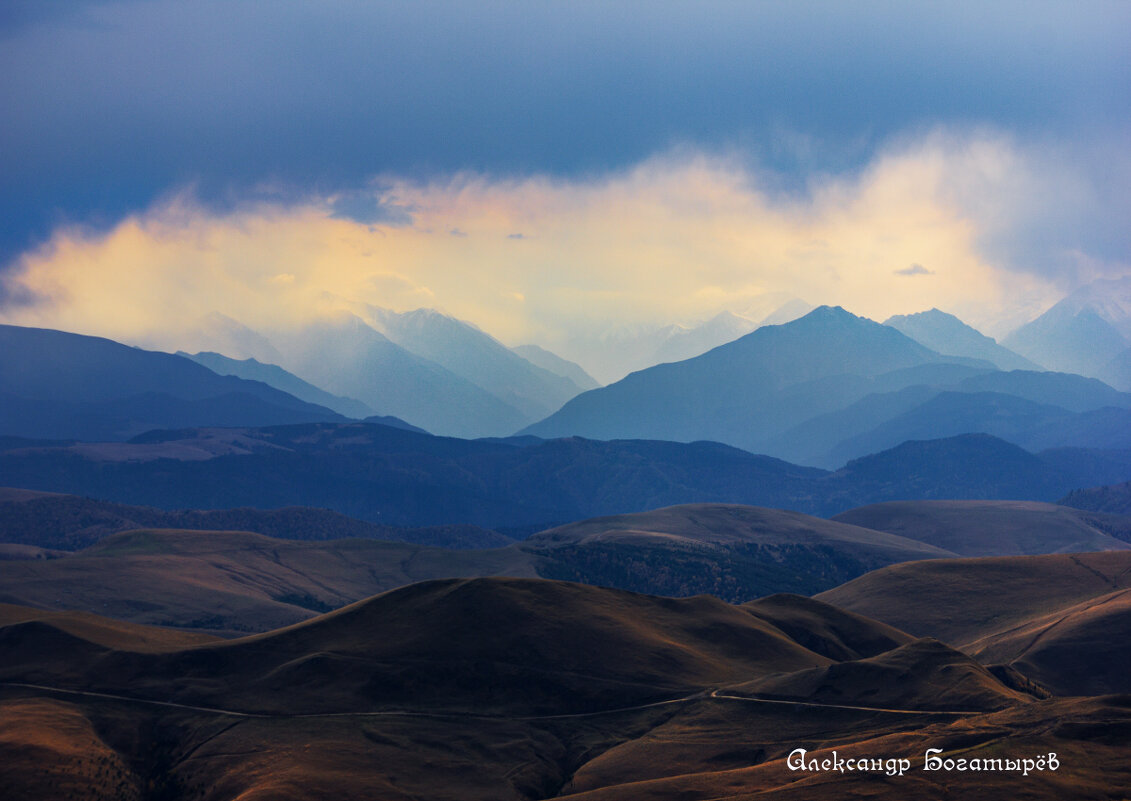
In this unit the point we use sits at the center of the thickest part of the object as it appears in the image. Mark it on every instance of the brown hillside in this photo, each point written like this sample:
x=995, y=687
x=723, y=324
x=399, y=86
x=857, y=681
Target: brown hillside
x=995, y=528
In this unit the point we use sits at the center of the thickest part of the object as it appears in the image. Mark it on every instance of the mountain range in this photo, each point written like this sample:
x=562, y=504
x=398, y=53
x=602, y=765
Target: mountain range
x=1088, y=332
x=66, y=386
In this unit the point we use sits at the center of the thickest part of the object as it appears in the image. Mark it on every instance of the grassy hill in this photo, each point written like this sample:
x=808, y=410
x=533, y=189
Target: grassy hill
x=1061, y=619
x=995, y=528
x=523, y=689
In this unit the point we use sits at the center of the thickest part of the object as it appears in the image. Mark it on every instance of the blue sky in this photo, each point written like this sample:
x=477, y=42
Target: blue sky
x=112, y=108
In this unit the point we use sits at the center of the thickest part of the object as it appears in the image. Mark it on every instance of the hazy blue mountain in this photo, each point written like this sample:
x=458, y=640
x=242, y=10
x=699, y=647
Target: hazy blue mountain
x=397, y=477
x=218, y=333
x=949, y=414
x=345, y=356
x=1117, y=372
x=787, y=312
x=812, y=441
x=970, y=466
x=477, y=357
x=685, y=343
x=1108, y=428
x=393, y=422
x=816, y=440
x=950, y=336
x=750, y=389
x=1032, y=425
x=1081, y=333
x=61, y=385
x=277, y=377
x=1073, y=392
x=547, y=360
x=613, y=354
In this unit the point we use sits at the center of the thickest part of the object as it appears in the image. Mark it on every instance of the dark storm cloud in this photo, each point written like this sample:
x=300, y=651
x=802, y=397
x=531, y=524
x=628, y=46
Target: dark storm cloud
x=110, y=104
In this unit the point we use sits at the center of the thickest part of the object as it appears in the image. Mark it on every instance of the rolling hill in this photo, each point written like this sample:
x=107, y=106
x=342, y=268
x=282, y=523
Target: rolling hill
x=1060, y=619
x=70, y=522
x=995, y=528
x=234, y=581
x=733, y=552
x=583, y=693
x=1113, y=499
x=240, y=581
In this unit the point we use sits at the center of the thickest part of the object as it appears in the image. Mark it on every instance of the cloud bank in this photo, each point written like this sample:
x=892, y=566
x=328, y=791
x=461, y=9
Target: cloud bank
x=677, y=237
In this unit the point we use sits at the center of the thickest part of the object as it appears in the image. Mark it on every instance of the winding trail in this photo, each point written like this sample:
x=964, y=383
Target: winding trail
x=714, y=695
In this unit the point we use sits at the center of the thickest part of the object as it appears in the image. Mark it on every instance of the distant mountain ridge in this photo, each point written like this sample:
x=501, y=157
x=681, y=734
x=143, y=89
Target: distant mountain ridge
x=1083, y=332
x=397, y=477
x=279, y=378
x=477, y=357
x=60, y=385
x=344, y=355
x=950, y=336
x=547, y=360
x=740, y=393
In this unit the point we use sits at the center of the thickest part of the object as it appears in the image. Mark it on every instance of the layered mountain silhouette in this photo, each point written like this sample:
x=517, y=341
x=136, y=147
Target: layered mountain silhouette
x=950, y=336
x=749, y=389
x=540, y=357
x=612, y=354
x=397, y=477
x=69, y=386
x=477, y=357
x=1082, y=333
x=345, y=356
x=277, y=377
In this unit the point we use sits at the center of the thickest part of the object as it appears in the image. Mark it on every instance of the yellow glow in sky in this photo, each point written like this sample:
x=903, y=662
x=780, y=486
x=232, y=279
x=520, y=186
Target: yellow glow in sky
x=679, y=237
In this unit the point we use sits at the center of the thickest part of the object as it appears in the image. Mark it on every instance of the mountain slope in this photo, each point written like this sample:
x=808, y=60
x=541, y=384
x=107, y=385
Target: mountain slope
x=995, y=528
x=547, y=360
x=948, y=335
x=477, y=357
x=69, y=522
x=737, y=392
x=277, y=377
x=345, y=356
x=1117, y=372
x=732, y=552
x=234, y=581
x=395, y=477
x=1082, y=332
x=1111, y=499
x=1004, y=609
x=61, y=385
x=950, y=414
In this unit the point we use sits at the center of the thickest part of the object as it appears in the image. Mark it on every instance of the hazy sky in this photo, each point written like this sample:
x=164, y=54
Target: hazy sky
x=542, y=167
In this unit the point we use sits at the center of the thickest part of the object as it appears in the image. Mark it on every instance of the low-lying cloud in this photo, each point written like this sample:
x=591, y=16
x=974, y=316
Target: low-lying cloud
x=678, y=237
